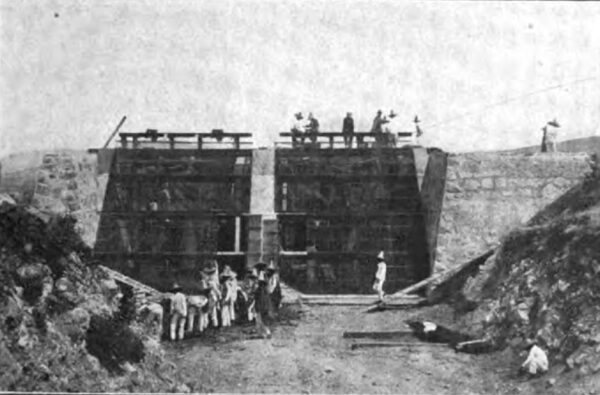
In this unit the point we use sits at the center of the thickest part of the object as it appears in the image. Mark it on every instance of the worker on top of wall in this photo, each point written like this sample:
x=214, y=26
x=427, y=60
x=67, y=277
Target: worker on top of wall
x=297, y=130
x=390, y=129
x=312, y=128
x=377, y=127
x=380, y=276
x=273, y=287
x=178, y=312
x=418, y=132
x=348, y=130
x=551, y=132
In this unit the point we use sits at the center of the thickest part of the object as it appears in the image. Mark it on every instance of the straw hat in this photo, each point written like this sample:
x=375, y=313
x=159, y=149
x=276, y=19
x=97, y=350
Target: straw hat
x=271, y=267
x=228, y=273
x=210, y=267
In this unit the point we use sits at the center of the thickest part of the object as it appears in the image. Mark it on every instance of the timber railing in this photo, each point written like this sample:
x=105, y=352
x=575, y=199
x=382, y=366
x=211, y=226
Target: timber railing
x=154, y=138
x=363, y=139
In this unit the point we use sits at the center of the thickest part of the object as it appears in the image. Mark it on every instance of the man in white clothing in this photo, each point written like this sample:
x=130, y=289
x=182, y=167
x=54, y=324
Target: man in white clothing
x=297, y=130
x=178, y=313
x=536, y=362
x=380, y=276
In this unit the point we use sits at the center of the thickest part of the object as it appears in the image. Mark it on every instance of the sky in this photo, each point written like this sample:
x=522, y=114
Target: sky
x=480, y=75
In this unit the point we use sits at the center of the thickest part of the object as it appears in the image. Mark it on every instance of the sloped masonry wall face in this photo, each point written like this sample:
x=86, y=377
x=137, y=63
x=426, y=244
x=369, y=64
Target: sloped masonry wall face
x=489, y=194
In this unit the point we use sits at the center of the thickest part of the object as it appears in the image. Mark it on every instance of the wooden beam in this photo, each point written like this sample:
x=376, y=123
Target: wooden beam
x=378, y=335
x=396, y=344
x=115, y=131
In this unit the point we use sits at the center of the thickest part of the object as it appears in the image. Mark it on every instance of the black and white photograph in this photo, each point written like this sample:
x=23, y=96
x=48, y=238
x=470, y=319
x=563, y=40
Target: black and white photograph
x=300, y=197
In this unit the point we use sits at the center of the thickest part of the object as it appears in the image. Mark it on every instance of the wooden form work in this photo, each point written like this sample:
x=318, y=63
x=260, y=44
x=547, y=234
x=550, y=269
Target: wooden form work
x=151, y=136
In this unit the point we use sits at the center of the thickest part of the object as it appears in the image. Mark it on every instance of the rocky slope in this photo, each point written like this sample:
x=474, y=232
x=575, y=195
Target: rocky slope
x=65, y=326
x=543, y=283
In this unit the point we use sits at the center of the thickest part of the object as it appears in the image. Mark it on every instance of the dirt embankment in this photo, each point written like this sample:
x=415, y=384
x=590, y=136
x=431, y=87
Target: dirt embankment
x=64, y=325
x=543, y=285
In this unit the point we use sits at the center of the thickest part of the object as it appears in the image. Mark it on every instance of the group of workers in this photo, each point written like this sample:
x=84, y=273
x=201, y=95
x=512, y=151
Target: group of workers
x=384, y=127
x=223, y=300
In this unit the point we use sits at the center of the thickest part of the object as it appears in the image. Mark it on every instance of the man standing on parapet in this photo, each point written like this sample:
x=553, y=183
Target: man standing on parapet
x=312, y=128
x=348, y=130
x=390, y=129
x=297, y=130
x=377, y=127
x=380, y=276
x=550, y=130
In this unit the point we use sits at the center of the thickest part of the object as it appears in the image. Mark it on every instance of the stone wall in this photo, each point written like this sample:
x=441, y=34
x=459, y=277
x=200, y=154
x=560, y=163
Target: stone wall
x=487, y=194
x=67, y=182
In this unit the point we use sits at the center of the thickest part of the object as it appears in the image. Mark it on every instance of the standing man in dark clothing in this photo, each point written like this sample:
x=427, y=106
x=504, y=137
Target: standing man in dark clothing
x=348, y=130
x=312, y=128
x=377, y=127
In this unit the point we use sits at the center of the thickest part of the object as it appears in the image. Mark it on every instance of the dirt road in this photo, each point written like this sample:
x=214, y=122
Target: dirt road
x=307, y=354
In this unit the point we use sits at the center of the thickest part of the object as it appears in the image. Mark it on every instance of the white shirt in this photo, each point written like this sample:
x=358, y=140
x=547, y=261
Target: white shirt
x=179, y=304
x=381, y=271
x=298, y=125
x=536, y=361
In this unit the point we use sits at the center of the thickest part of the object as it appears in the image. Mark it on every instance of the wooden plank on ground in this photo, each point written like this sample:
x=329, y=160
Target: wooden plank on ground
x=357, y=300
x=392, y=335
x=396, y=344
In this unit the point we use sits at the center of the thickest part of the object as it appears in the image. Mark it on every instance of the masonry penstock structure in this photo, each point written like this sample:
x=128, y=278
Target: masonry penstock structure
x=321, y=211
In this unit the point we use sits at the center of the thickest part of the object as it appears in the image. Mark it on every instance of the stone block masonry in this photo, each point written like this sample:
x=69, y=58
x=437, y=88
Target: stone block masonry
x=487, y=194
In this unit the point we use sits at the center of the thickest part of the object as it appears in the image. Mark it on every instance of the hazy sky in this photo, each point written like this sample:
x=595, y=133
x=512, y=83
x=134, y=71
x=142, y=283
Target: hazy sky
x=481, y=75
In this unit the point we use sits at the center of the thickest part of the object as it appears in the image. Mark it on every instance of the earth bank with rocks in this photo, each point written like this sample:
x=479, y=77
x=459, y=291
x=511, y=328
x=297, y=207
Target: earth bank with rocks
x=65, y=325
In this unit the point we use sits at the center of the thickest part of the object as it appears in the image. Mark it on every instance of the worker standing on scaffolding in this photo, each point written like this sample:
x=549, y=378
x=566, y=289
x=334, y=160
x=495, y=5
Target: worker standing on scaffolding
x=312, y=128
x=377, y=127
x=297, y=130
x=348, y=130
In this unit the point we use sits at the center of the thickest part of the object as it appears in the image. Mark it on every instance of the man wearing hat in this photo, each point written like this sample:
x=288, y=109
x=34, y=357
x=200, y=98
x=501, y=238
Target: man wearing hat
x=418, y=132
x=210, y=282
x=248, y=288
x=261, y=304
x=390, y=129
x=178, y=313
x=227, y=296
x=348, y=130
x=273, y=288
x=297, y=130
x=380, y=276
x=550, y=135
x=377, y=127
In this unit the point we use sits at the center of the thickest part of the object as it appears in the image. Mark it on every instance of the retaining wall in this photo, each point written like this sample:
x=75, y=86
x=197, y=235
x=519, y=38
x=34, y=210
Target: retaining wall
x=487, y=194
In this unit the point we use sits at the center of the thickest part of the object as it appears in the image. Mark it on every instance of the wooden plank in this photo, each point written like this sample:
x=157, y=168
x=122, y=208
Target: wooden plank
x=396, y=344
x=115, y=131
x=444, y=276
x=354, y=300
x=378, y=335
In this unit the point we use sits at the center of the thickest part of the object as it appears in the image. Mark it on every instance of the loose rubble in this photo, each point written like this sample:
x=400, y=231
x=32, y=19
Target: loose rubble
x=63, y=325
x=543, y=284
